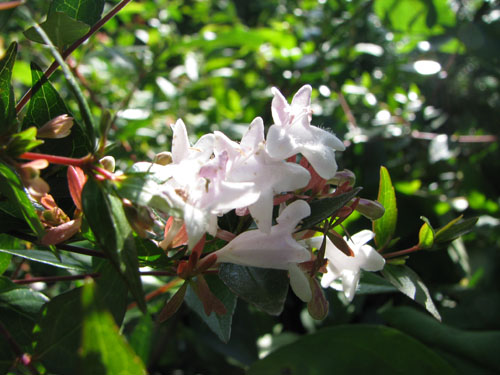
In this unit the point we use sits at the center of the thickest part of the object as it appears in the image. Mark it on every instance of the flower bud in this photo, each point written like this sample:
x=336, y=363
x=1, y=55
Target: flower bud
x=342, y=177
x=108, y=162
x=58, y=127
x=163, y=158
x=373, y=210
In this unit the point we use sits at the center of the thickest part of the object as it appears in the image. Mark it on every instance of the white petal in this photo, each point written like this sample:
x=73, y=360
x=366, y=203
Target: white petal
x=279, y=144
x=253, y=136
x=299, y=283
x=180, y=142
x=262, y=211
x=293, y=214
x=303, y=97
x=373, y=261
x=350, y=282
x=361, y=237
x=279, y=108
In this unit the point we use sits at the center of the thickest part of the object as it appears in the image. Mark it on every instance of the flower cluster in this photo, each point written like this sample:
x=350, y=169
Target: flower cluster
x=216, y=175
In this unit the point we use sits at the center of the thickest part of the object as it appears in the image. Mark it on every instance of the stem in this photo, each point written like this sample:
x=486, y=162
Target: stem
x=402, y=252
x=163, y=289
x=53, y=279
x=54, y=159
x=55, y=64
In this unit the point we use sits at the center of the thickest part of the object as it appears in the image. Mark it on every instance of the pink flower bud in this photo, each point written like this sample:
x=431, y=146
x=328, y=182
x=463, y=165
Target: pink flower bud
x=58, y=127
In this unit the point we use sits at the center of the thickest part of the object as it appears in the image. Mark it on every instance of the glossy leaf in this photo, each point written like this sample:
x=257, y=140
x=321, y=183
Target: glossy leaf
x=103, y=350
x=7, y=105
x=60, y=28
x=22, y=142
x=219, y=324
x=106, y=218
x=355, y=349
x=46, y=104
x=470, y=352
x=265, y=288
x=324, y=208
x=87, y=11
x=410, y=284
x=12, y=188
x=385, y=227
x=426, y=235
x=47, y=257
x=455, y=229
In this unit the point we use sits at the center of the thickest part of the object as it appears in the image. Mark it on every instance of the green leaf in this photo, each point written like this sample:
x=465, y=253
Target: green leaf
x=455, y=229
x=410, y=284
x=46, y=104
x=426, y=234
x=324, y=208
x=385, y=227
x=220, y=325
x=7, y=105
x=22, y=142
x=6, y=242
x=87, y=11
x=354, y=349
x=265, y=288
x=12, y=188
x=47, y=257
x=470, y=352
x=106, y=218
x=60, y=28
x=141, y=339
x=103, y=349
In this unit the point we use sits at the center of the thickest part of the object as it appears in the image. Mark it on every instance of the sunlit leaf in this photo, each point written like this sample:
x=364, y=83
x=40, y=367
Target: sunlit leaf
x=87, y=11
x=47, y=257
x=455, y=229
x=385, y=227
x=426, y=235
x=7, y=105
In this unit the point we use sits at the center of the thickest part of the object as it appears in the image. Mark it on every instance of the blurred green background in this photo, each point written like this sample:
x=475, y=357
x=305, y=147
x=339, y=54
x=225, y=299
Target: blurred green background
x=412, y=85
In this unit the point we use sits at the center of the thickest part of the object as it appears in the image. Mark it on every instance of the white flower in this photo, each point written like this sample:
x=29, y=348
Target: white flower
x=292, y=133
x=277, y=250
x=347, y=268
x=249, y=162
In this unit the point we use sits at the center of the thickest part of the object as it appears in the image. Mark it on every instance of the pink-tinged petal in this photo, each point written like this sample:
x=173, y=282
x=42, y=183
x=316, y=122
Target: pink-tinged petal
x=279, y=144
x=322, y=159
x=279, y=108
x=180, y=142
x=303, y=97
x=253, y=136
x=262, y=211
x=293, y=214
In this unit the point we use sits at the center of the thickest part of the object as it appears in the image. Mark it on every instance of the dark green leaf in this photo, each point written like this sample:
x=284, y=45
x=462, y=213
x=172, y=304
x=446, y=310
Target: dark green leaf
x=220, y=325
x=468, y=351
x=324, y=208
x=106, y=218
x=47, y=257
x=87, y=11
x=22, y=142
x=409, y=283
x=6, y=242
x=12, y=188
x=60, y=28
x=455, y=229
x=141, y=339
x=265, y=288
x=426, y=234
x=46, y=104
x=385, y=226
x=7, y=105
x=103, y=349
x=371, y=283
x=356, y=349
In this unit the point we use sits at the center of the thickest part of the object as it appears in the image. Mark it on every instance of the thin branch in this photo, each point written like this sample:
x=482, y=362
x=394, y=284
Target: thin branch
x=455, y=138
x=402, y=252
x=25, y=358
x=52, y=68
x=53, y=279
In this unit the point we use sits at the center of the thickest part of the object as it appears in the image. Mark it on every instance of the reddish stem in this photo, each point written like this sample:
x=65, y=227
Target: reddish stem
x=402, y=252
x=155, y=293
x=54, y=159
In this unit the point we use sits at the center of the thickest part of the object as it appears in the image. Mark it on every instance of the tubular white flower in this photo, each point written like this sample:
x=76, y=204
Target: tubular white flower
x=277, y=250
x=344, y=272
x=292, y=133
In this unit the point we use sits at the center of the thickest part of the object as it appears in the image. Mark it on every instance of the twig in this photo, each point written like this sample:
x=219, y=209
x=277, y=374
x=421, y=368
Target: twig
x=456, y=138
x=53, y=279
x=55, y=64
x=25, y=358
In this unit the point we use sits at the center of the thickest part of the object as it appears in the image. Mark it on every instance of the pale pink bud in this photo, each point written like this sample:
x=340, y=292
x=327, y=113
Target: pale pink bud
x=108, y=163
x=373, y=210
x=341, y=177
x=163, y=158
x=58, y=127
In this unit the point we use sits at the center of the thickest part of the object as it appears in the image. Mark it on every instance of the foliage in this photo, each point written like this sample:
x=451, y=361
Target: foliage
x=410, y=86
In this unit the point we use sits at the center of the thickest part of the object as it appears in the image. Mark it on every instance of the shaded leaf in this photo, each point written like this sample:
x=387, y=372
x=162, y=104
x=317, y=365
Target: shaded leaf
x=22, y=142
x=47, y=257
x=87, y=11
x=265, y=288
x=468, y=351
x=7, y=105
x=356, y=349
x=103, y=350
x=455, y=229
x=219, y=324
x=141, y=339
x=173, y=304
x=61, y=29
x=106, y=218
x=385, y=226
x=410, y=284
x=324, y=208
